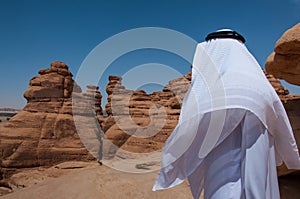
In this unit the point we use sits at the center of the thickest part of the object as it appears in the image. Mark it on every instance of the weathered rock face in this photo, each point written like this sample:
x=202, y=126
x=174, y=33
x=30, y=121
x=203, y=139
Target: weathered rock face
x=282, y=92
x=292, y=108
x=44, y=133
x=150, y=118
x=284, y=62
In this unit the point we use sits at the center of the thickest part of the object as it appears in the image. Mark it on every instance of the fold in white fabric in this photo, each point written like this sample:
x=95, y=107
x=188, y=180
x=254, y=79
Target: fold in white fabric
x=227, y=84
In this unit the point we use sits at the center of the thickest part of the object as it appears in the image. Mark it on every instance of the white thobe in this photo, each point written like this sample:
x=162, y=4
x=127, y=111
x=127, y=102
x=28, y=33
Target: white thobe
x=243, y=165
x=232, y=130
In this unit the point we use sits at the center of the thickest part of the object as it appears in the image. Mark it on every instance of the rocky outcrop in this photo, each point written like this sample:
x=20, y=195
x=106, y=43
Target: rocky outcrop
x=140, y=122
x=280, y=90
x=284, y=62
x=44, y=133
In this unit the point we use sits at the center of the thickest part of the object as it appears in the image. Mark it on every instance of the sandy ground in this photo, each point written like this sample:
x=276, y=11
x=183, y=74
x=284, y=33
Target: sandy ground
x=290, y=186
x=89, y=180
x=77, y=180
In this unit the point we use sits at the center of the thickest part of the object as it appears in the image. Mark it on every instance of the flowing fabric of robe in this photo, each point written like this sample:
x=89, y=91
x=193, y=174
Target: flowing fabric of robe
x=232, y=131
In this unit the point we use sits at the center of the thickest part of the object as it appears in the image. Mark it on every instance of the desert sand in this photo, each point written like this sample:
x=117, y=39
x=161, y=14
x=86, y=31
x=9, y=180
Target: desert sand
x=88, y=180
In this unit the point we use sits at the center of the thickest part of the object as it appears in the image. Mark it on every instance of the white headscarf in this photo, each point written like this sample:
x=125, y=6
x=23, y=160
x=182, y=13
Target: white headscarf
x=224, y=76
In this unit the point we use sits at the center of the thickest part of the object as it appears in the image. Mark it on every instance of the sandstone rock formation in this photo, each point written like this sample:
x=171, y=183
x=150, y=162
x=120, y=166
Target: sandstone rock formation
x=44, y=133
x=284, y=62
x=282, y=92
x=140, y=122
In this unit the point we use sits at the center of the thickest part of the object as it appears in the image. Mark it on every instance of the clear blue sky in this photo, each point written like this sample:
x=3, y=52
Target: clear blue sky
x=35, y=33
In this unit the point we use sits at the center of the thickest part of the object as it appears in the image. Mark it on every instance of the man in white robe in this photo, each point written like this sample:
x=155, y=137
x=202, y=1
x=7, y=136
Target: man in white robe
x=233, y=129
